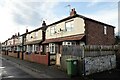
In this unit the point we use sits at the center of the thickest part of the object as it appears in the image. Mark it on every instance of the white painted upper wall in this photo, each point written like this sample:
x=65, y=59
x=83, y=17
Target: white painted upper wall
x=37, y=35
x=78, y=28
x=18, y=40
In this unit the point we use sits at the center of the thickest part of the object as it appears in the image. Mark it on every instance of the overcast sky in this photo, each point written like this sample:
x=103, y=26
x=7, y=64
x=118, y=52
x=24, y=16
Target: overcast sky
x=17, y=15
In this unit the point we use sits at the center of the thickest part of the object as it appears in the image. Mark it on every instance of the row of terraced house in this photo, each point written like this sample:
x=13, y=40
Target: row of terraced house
x=44, y=45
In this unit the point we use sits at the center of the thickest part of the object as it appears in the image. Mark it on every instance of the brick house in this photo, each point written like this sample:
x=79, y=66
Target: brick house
x=33, y=48
x=76, y=30
x=3, y=47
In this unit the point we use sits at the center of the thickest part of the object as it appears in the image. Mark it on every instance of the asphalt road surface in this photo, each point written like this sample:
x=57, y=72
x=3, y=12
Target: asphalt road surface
x=10, y=70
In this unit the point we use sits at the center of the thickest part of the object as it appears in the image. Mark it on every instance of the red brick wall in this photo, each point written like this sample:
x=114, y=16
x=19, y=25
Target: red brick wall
x=20, y=55
x=12, y=54
x=3, y=52
x=38, y=58
x=95, y=34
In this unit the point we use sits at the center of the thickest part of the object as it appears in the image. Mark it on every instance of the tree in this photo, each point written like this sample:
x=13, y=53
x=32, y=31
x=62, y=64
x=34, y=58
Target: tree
x=117, y=39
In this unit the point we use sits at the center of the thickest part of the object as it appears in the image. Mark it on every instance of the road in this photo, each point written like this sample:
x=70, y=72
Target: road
x=10, y=70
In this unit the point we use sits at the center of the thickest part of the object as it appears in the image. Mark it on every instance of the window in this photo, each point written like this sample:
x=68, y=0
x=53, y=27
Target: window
x=29, y=48
x=41, y=48
x=15, y=48
x=24, y=48
x=105, y=30
x=18, y=48
x=69, y=26
x=20, y=39
x=46, y=48
x=37, y=48
x=52, y=48
x=52, y=30
x=67, y=43
x=28, y=37
x=33, y=48
x=36, y=34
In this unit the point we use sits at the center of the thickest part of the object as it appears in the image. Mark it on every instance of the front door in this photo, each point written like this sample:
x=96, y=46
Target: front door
x=58, y=54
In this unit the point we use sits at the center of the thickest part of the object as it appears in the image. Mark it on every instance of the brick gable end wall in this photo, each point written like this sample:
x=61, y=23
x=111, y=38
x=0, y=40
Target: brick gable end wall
x=95, y=35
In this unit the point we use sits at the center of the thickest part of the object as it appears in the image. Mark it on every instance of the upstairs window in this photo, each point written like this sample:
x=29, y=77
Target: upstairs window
x=105, y=30
x=36, y=35
x=52, y=30
x=28, y=37
x=69, y=26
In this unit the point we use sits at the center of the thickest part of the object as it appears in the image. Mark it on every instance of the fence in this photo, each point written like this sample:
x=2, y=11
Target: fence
x=91, y=58
x=88, y=50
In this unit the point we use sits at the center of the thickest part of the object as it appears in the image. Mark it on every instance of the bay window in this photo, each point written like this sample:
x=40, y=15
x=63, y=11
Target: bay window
x=29, y=48
x=52, y=30
x=69, y=25
x=36, y=48
x=36, y=35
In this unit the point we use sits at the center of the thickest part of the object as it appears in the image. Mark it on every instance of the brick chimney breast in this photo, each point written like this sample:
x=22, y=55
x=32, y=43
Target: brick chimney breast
x=73, y=12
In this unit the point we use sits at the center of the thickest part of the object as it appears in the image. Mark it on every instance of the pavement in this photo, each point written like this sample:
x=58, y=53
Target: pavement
x=9, y=70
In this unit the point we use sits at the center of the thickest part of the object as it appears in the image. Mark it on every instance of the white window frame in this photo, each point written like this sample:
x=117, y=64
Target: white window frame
x=105, y=30
x=52, y=48
x=52, y=30
x=29, y=48
x=69, y=25
x=20, y=39
x=33, y=48
x=36, y=47
x=18, y=48
x=25, y=48
x=67, y=43
x=36, y=34
x=28, y=37
x=41, y=48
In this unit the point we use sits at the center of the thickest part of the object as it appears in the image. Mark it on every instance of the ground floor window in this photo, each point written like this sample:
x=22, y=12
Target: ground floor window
x=19, y=48
x=74, y=43
x=29, y=48
x=24, y=48
x=37, y=48
x=33, y=48
x=67, y=43
x=15, y=48
x=52, y=48
x=82, y=43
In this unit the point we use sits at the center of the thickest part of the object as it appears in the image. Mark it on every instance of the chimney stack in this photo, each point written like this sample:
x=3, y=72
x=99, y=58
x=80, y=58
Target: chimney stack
x=44, y=26
x=26, y=30
x=73, y=12
x=18, y=34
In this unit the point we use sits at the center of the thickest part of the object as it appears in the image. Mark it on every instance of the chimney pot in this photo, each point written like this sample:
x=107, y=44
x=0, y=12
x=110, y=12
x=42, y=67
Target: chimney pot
x=73, y=12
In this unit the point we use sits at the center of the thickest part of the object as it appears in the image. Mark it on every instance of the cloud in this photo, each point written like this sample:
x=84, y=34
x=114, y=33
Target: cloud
x=17, y=15
x=106, y=16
